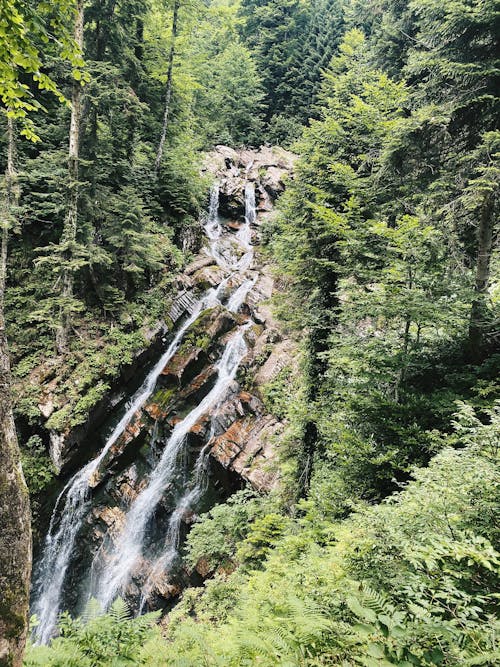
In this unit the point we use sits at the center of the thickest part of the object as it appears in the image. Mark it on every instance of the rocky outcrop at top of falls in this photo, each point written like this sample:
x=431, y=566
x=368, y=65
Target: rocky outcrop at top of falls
x=194, y=431
x=267, y=167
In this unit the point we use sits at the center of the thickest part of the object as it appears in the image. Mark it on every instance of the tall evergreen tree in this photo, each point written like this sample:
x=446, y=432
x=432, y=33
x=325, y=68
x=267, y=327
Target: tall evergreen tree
x=70, y=228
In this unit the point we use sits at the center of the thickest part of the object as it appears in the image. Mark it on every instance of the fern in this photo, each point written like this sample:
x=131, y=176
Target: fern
x=92, y=610
x=119, y=611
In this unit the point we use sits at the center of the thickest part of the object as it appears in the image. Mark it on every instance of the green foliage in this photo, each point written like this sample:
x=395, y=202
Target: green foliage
x=110, y=639
x=292, y=42
x=264, y=533
x=379, y=252
x=410, y=581
x=385, y=238
x=214, y=538
x=29, y=31
x=276, y=393
x=37, y=466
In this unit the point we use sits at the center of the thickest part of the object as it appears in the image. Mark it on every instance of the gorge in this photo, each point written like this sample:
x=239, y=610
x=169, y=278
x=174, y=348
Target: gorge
x=118, y=523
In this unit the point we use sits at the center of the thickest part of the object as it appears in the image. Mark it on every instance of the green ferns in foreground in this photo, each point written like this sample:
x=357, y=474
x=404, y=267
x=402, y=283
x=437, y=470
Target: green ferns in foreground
x=412, y=581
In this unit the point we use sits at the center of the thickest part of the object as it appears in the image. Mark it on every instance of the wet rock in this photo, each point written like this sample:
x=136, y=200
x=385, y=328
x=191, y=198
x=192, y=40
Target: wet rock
x=209, y=276
x=107, y=520
x=239, y=434
x=233, y=225
x=267, y=166
x=199, y=263
x=205, y=335
x=127, y=486
x=245, y=448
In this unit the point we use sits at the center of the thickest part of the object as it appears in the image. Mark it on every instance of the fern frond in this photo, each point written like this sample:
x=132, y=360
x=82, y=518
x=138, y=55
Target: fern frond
x=119, y=611
x=93, y=609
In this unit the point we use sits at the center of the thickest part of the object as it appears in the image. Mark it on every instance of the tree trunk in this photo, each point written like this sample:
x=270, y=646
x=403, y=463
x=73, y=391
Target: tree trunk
x=168, y=89
x=15, y=527
x=479, y=310
x=103, y=28
x=70, y=223
x=321, y=308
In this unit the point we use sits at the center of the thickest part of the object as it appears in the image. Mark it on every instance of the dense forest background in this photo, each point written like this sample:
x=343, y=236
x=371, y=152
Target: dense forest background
x=381, y=546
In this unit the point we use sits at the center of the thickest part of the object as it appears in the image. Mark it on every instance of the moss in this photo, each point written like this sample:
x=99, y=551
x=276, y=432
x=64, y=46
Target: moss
x=27, y=402
x=87, y=402
x=13, y=621
x=196, y=337
x=164, y=396
x=59, y=420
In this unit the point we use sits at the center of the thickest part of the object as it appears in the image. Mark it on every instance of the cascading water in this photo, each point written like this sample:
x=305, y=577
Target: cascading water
x=73, y=503
x=128, y=547
x=245, y=233
x=212, y=228
x=186, y=503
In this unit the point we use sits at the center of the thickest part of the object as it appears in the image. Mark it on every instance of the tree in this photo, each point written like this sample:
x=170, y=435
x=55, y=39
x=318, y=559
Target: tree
x=20, y=56
x=168, y=85
x=30, y=29
x=481, y=201
x=15, y=528
x=292, y=42
x=68, y=240
x=234, y=97
x=274, y=30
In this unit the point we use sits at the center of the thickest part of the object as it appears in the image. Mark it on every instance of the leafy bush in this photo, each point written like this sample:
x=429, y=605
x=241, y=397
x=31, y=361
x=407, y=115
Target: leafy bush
x=411, y=581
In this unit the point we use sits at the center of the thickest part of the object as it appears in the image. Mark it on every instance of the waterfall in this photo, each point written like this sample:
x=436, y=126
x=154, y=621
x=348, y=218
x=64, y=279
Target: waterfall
x=212, y=227
x=73, y=504
x=128, y=547
x=250, y=205
x=186, y=503
x=245, y=233
x=238, y=298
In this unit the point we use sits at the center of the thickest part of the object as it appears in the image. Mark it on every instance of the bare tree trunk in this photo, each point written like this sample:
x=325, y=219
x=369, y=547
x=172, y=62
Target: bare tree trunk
x=70, y=223
x=168, y=89
x=15, y=526
x=478, y=316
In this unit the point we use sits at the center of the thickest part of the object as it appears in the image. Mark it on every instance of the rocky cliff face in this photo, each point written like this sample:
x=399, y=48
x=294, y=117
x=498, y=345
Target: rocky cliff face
x=268, y=168
x=238, y=433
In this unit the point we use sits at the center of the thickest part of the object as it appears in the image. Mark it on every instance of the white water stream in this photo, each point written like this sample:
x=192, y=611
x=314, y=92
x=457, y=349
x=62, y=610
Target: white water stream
x=73, y=503
x=128, y=547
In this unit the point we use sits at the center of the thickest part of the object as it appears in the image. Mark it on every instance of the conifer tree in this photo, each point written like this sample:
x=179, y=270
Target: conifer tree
x=69, y=235
x=168, y=84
